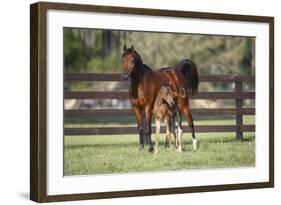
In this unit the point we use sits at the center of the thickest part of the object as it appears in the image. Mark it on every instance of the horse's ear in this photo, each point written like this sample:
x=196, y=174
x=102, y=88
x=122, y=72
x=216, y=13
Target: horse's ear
x=124, y=47
x=132, y=47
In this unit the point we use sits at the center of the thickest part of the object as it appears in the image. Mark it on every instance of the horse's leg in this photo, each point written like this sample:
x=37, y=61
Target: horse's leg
x=148, y=114
x=157, y=125
x=180, y=130
x=189, y=119
x=168, y=131
x=138, y=113
x=174, y=131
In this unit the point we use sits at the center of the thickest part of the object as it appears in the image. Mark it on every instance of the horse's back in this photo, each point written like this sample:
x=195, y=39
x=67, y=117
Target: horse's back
x=170, y=74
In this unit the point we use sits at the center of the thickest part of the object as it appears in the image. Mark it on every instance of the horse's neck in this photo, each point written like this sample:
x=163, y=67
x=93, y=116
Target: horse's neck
x=138, y=83
x=158, y=102
x=137, y=78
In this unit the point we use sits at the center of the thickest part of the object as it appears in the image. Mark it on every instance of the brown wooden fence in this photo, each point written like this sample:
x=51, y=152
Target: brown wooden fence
x=238, y=95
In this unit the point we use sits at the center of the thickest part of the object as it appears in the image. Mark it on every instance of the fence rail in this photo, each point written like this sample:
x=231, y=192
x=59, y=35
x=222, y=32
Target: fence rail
x=130, y=113
x=238, y=96
x=121, y=95
x=117, y=77
x=132, y=130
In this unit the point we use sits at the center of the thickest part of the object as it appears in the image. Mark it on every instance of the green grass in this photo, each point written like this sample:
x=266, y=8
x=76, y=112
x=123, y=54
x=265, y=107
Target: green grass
x=86, y=155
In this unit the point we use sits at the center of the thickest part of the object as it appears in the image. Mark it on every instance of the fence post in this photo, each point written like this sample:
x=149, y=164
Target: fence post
x=238, y=106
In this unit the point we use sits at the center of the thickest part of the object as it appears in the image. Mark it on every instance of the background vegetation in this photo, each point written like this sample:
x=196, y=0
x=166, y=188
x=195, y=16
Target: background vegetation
x=99, y=51
x=89, y=50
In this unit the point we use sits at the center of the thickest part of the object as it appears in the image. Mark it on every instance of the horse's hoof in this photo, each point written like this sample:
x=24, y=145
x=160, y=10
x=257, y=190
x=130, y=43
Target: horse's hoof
x=179, y=149
x=151, y=149
x=141, y=149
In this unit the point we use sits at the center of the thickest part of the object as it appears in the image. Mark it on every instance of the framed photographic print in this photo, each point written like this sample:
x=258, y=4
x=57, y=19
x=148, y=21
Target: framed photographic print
x=135, y=102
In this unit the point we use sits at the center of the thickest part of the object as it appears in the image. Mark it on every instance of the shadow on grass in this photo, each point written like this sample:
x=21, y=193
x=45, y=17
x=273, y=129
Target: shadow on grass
x=227, y=139
x=162, y=143
x=101, y=120
x=101, y=145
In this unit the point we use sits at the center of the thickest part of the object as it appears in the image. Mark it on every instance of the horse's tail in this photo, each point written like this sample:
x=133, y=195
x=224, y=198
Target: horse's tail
x=189, y=72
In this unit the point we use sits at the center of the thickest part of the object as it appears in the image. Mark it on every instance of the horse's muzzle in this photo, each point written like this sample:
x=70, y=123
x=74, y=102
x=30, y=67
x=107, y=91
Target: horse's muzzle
x=125, y=75
x=172, y=105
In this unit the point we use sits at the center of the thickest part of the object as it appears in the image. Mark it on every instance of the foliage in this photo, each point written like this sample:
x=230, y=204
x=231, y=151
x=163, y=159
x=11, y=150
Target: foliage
x=100, y=50
x=91, y=50
x=87, y=50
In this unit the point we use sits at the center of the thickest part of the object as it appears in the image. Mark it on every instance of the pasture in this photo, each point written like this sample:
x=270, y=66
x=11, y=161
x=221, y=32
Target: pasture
x=87, y=155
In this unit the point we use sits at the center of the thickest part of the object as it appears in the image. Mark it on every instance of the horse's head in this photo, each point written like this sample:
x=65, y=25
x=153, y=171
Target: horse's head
x=165, y=93
x=130, y=62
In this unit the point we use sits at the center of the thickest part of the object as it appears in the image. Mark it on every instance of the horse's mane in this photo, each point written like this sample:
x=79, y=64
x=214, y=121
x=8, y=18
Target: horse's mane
x=147, y=68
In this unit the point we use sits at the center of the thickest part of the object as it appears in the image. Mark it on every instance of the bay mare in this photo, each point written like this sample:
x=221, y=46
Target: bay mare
x=146, y=83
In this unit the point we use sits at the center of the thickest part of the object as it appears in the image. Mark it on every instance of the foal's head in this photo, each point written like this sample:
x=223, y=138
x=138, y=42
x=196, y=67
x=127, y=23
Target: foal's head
x=131, y=61
x=165, y=94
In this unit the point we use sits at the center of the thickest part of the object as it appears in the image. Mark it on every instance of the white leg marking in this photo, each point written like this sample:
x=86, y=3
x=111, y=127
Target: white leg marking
x=179, y=148
x=194, y=143
x=179, y=131
x=179, y=138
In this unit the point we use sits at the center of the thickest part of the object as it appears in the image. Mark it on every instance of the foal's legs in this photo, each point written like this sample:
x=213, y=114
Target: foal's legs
x=168, y=131
x=157, y=136
x=138, y=113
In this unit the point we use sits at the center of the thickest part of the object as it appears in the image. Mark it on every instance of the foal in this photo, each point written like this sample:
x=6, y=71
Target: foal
x=165, y=109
